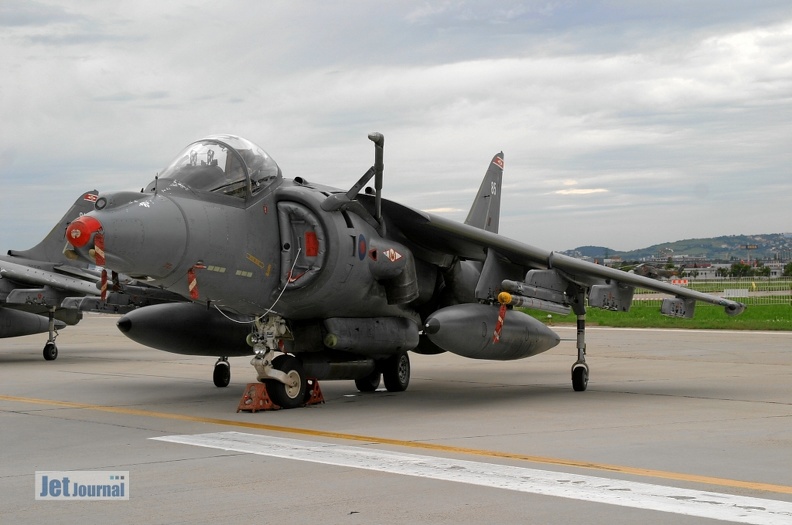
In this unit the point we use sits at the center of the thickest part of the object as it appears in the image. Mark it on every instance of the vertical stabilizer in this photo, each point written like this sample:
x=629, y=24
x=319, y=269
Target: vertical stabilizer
x=485, y=212
x=51, y=248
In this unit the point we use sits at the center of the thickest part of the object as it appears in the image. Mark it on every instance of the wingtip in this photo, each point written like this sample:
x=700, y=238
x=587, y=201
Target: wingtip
x=733, y=309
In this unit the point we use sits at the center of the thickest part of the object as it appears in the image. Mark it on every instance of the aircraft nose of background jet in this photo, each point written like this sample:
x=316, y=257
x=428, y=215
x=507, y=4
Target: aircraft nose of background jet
x=132, y=233
x=79, y=232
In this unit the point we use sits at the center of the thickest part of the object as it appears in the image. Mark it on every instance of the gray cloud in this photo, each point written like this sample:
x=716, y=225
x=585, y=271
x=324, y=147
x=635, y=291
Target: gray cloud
x=680, y=112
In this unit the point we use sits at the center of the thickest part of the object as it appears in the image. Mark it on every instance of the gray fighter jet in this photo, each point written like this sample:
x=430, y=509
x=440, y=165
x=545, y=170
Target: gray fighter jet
x=43, y=290
x=317, y=282
x=34, y=282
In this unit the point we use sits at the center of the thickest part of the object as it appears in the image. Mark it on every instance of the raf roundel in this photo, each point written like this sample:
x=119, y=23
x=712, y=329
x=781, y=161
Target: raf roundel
x=362, y=247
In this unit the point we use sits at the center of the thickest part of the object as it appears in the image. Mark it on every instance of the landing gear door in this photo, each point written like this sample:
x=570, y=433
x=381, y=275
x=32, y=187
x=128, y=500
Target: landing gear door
x=303, y=244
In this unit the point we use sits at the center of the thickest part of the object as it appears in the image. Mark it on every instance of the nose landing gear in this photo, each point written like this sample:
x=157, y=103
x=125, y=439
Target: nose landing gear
x=283, y=375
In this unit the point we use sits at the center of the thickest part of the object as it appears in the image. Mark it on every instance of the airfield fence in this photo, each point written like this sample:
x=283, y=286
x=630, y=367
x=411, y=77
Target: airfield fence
x=750, y=291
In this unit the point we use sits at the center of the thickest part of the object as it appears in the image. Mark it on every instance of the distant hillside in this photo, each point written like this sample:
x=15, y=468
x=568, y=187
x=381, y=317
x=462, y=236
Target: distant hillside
x=730, y=247
x=594, y=252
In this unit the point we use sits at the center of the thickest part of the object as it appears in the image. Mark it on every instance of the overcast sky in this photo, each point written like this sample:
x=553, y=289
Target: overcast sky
x=623, y=124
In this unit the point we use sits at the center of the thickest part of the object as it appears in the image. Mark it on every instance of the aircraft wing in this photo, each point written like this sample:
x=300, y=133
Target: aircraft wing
x=128, y=297
x=438, y=234
x=23, y=274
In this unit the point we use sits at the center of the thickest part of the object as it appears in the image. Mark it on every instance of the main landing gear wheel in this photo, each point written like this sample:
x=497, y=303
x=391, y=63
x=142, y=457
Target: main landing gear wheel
x=396, y=372
x=50, y=351
x=580, y=374
x=293, y=394
x=369, y=383
x=222, y=373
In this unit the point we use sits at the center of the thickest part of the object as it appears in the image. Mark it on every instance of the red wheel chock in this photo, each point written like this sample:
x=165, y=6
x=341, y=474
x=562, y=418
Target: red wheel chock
x=255, y=397
x=313, y=394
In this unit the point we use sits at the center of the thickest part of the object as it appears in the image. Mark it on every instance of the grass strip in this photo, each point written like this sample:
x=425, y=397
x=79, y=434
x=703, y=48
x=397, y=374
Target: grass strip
x=765, y=317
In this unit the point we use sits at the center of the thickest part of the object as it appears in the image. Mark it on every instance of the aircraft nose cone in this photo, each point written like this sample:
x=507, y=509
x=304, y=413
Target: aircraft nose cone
x=432, y=326
x=79, y=232
x=124, y=324
x=142, y=237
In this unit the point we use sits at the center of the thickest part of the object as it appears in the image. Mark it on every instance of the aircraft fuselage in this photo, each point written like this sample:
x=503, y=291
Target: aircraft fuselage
x=241, y=254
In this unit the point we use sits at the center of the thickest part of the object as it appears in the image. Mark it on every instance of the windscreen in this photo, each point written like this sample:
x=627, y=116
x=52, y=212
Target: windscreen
x=223, y=164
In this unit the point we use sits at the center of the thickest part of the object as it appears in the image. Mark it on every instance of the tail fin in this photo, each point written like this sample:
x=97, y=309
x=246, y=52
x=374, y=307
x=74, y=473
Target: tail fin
x=51, y=248
x=485, y=212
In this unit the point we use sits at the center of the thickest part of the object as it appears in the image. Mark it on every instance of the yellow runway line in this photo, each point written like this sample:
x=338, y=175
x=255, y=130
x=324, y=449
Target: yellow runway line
x=634, y=471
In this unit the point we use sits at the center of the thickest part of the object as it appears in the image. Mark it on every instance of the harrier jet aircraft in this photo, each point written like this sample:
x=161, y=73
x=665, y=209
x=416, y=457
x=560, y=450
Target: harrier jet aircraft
x=34, y=282
x=330, y=284
x=43, y=290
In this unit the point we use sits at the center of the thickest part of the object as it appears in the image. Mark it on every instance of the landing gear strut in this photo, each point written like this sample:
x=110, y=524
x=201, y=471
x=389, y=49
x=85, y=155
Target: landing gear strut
x=50, y=349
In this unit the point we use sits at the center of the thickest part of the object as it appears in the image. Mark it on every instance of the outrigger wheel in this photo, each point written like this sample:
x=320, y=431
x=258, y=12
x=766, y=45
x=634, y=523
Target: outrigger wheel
x=580, y=370
x=222, y=373
x=50, y=351
x=580, y=375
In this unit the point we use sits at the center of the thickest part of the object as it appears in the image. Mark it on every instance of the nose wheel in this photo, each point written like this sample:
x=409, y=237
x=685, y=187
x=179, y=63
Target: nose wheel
x=289, y=394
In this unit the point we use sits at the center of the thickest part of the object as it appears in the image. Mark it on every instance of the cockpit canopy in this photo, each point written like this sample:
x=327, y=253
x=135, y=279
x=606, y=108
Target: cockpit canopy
x=224, y=164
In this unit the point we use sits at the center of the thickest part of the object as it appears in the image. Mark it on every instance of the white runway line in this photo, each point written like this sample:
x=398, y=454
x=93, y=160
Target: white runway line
x=698, y=503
